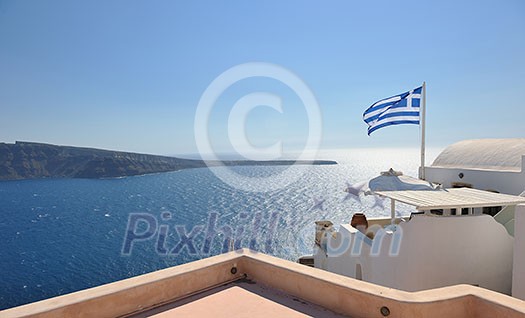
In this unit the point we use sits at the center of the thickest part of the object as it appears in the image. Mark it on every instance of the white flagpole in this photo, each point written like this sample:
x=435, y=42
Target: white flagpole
x=422, y=114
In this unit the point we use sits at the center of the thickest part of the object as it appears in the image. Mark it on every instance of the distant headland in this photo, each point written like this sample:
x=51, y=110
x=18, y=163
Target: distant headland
x=31, y=160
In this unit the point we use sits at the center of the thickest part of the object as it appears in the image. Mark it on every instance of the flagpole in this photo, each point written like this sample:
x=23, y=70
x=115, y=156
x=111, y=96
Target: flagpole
x=422, y=121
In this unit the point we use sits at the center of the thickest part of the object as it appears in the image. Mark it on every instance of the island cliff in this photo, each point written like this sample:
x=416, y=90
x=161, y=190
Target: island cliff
x=30, y=160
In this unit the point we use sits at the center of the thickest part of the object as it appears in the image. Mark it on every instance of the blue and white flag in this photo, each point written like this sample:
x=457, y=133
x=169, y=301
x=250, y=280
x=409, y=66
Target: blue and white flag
x=395, y=110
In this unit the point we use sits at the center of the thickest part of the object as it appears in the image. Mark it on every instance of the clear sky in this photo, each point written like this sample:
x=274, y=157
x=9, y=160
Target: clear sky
x=128, y=75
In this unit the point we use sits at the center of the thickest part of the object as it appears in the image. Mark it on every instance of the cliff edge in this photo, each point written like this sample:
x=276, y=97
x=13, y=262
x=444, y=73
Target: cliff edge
x=30, y=160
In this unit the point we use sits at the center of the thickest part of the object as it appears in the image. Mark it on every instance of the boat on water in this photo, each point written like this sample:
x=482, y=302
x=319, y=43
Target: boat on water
x=450, y=258
x=466, y=230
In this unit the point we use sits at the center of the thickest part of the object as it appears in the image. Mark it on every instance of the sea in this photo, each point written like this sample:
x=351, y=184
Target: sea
x=63, y=235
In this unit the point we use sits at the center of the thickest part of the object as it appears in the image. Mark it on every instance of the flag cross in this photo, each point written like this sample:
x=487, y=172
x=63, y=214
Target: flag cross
x=409, y=99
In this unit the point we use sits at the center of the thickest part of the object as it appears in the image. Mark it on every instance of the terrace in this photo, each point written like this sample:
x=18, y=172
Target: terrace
x=244, y=283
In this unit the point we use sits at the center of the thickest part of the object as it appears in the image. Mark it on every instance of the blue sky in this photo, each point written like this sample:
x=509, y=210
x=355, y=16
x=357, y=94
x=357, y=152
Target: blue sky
x=128, y=75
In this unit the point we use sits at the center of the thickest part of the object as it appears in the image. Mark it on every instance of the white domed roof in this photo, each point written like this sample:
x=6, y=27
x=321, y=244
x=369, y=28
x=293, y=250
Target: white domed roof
x=494, y=154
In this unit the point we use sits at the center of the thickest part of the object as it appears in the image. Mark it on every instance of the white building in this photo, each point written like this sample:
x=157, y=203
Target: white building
x=458, y=245
x=486, y=164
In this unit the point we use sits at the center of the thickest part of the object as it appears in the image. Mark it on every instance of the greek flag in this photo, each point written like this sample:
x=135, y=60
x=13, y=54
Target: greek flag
x=395, y=110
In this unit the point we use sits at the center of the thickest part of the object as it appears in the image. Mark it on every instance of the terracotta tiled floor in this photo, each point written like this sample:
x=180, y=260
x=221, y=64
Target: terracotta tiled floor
x=240, y=299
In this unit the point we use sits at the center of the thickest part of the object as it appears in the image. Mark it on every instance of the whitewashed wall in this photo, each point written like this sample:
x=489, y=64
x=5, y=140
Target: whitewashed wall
x=509, y=182
x=518, y=276
x=434, y=252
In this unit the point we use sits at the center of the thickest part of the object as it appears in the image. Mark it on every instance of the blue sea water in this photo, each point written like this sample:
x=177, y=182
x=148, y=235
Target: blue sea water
x=63, y=235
